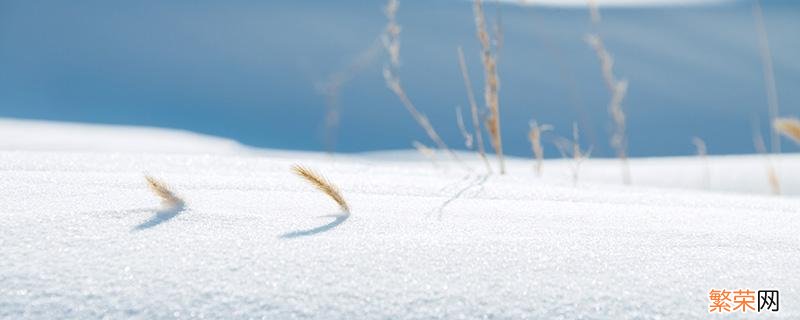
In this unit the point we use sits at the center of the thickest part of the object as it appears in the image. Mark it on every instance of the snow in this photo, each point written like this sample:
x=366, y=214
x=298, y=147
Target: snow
x=81, y=236
x=44, y=135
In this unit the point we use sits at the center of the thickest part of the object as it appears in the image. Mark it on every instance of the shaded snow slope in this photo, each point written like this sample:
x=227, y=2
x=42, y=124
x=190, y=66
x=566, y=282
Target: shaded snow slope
x=81, y=237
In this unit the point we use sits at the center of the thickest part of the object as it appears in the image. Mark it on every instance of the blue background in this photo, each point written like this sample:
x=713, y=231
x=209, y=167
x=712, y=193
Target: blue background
x=252, y=70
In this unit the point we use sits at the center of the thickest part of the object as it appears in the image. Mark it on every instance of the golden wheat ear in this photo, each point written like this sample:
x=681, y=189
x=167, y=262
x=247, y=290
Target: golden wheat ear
x=163, y=191
x=789, y=127
x=322, y=184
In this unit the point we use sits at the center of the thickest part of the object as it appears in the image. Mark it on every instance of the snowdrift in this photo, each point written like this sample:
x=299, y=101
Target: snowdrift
x=81, y=236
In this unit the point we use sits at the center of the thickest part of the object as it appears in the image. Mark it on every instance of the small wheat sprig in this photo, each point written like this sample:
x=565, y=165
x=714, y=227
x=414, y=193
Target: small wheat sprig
x=163, y=191
x=535, y=137
x=322, y=184
x=789, y=127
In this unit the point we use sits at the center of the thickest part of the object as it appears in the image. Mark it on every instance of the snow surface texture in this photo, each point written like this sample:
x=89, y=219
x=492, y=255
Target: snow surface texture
x=81, y=236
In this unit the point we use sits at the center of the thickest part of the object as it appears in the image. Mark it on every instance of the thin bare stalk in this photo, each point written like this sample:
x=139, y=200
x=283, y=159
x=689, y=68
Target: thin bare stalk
x=492, y=84
x=769, y=73
x=473, y=105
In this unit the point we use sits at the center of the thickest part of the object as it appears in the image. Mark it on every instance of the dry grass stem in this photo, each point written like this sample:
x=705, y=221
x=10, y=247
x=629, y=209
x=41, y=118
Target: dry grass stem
x=535, y=137
x=789, y=127
x=618, y=89
x=702, y=152
x=391, y=41
x=163, y=191
x=768, y=72
x=322, y=184
x=473, y=106
x=491, y=86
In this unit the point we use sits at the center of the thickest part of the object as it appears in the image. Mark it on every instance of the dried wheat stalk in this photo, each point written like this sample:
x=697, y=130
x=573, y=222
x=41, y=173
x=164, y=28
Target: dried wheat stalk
x=535, y=137
x=322, y=184
x=491, y=84
x=618, y=89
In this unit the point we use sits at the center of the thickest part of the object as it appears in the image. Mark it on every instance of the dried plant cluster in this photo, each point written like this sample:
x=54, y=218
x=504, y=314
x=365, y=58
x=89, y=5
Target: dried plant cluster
x=491, y=84
x=163, y=191
x=322, y=184
x=490, y=45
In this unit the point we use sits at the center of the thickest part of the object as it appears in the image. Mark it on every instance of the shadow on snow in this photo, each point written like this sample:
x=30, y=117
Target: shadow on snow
x=339, y=219
x=161, y=216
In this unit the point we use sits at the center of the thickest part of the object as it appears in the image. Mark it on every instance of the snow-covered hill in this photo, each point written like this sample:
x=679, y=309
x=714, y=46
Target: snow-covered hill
x=81, y=236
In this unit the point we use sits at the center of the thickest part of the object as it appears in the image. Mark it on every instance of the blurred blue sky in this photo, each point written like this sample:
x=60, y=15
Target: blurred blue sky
x=251, y=70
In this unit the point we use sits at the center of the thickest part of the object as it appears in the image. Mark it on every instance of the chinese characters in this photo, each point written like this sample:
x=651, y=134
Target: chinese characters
x=742, y=300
